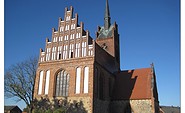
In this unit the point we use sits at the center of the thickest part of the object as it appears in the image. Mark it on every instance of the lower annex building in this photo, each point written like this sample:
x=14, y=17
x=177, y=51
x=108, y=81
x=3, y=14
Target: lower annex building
x=77, y=67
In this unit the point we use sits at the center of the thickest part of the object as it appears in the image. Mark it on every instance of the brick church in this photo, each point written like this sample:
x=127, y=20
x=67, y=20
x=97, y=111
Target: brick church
x=75, y=66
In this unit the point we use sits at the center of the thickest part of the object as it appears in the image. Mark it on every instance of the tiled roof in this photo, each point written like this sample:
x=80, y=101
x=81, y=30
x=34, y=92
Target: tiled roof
x=9, y=107
x=12, y=109
x=170, y=109
x=133, y=84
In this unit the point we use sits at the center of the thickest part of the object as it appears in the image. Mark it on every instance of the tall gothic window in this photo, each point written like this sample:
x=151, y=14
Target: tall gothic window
x=86, y=79
x=47, y=81
x=62, y=85
x=40, y=82
x=78, y=76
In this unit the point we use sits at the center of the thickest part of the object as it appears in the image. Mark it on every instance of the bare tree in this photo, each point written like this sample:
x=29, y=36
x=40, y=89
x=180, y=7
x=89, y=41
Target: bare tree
x=19, y=81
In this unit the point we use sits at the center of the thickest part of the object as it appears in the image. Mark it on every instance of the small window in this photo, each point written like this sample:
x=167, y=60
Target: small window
x=59, y=56
x=71, y=55
x=61, y=29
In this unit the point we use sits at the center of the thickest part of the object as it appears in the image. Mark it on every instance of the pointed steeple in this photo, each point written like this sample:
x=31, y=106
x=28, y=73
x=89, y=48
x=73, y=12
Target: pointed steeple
x=107, y=16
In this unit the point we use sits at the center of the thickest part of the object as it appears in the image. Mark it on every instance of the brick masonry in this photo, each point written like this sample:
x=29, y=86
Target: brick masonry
x=68, y=52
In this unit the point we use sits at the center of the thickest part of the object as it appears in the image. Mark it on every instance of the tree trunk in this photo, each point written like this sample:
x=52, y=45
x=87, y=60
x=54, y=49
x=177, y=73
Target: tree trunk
x=30, y=109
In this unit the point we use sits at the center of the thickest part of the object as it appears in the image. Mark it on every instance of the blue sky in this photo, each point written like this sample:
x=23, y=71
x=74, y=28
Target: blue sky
x=149, y=32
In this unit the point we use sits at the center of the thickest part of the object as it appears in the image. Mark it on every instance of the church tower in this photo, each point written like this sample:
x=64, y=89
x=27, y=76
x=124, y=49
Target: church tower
x=107, y=36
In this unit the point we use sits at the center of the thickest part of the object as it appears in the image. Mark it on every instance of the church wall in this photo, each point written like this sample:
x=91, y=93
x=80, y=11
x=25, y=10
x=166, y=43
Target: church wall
x=141, y=106
x=103, y=87
x=135, y=106
x=101, y=106
x=108, y=43
x=70, y=67
x=156, y=107
x=86, y=101
x=119, y=106
x=105, y=59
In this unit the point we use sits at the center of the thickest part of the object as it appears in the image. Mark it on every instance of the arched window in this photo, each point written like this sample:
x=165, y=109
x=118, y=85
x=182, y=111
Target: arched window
x=40, y=82
x=47, y=82
x=62, y=85
x=78, y=76
x=86, y=79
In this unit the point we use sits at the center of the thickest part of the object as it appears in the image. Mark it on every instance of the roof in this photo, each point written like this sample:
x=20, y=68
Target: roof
x=8, y=108
x=103, y=33
x=133, y=84
x=170, y=109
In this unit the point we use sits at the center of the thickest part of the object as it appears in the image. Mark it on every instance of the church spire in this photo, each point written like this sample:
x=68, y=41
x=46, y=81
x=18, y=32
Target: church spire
x=107, y=16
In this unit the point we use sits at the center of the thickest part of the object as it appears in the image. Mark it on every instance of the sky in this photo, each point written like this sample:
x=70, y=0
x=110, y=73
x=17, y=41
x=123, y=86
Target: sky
x=149, y=33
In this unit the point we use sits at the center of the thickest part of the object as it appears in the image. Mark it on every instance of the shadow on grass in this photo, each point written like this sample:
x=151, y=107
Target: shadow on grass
x=44, y=105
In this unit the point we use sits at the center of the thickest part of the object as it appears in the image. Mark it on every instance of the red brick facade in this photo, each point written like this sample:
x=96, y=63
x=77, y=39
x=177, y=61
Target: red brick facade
x=61, y=68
